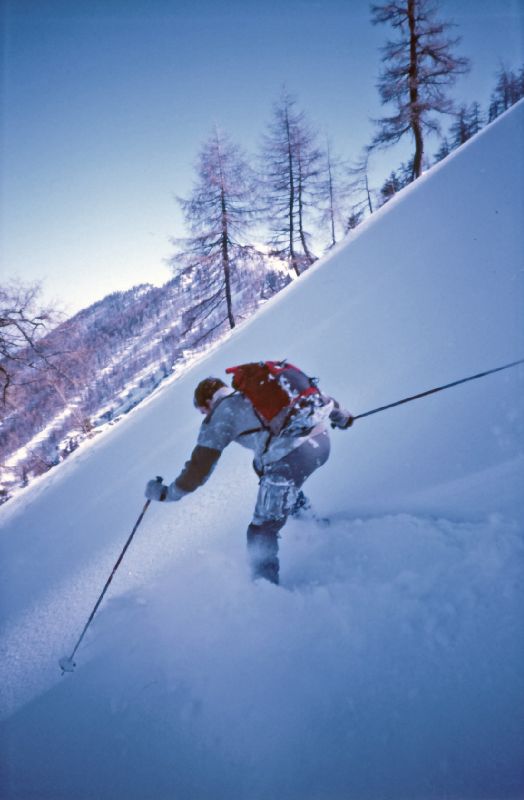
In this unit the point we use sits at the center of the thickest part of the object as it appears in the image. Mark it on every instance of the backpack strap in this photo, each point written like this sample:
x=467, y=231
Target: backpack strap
x=219, y=402
x=252, y=430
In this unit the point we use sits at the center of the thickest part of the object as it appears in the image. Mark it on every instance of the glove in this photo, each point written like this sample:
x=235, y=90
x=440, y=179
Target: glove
x=341, y=418
x=157, y=490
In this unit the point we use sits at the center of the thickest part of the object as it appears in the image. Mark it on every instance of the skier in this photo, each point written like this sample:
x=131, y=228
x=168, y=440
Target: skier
x=282, y=460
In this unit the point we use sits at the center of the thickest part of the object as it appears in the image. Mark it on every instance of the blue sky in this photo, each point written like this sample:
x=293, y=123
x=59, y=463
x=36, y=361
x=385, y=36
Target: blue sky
x=106, y=103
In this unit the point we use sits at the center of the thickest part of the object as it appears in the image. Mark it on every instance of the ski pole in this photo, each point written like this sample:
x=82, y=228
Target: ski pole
x=67, y=664
x=438, y=389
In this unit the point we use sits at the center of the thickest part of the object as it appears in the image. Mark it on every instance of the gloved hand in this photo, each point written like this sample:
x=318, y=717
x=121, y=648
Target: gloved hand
x=341, y=418
x=157, y=490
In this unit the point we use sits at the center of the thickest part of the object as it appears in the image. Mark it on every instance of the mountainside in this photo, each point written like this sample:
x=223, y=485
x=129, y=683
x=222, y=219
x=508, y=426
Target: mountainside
x=109, y=357
x=390, y=661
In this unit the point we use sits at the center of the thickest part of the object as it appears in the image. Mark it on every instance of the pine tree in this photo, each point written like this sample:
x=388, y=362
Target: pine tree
x=444, y=149
x=467, y=123
x=218, y=215
x=354, y=220
x=397, y=180
x=419, y=67
x=508, y=90
x=391, y=186
x=459, y=129
x=475, y=118
x=291, y=170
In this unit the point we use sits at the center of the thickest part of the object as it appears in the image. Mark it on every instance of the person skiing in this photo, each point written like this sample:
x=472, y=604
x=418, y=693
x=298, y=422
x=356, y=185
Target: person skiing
x=285, y=454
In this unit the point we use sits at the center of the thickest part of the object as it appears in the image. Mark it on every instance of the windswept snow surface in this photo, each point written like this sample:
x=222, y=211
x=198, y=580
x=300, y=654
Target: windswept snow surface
x=390, y=664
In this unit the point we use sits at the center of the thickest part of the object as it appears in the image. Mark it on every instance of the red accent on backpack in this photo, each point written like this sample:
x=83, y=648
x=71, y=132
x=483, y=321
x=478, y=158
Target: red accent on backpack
x=272, y=386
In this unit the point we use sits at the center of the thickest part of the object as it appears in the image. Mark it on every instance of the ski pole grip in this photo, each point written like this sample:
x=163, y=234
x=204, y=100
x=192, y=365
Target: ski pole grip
x=159, y=479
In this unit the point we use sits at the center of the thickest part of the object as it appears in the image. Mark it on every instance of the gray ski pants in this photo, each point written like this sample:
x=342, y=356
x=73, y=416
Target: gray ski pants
x=277, y=498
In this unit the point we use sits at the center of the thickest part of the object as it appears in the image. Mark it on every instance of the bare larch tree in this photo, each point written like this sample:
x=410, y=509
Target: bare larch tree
x=217, y=214
x=419, y=66
x=292, y=164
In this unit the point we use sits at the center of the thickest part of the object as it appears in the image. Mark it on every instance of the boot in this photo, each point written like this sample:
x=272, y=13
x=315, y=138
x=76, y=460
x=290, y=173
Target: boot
x=262, y=547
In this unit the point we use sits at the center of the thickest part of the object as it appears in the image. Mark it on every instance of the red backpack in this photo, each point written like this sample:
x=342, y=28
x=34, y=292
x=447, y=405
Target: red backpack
x=284, y=398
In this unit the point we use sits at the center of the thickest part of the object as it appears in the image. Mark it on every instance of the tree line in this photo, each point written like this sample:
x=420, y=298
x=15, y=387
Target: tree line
x=296, y=187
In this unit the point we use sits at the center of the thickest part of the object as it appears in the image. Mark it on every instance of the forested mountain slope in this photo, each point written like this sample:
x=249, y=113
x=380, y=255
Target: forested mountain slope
x=107, y=358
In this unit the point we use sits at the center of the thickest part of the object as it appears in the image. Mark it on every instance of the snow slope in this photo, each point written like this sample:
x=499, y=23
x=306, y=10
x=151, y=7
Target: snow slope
x=390, y=662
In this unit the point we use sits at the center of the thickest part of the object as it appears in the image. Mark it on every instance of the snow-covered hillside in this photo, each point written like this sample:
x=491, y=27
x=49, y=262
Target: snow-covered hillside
x=111, y=356
x=390, y=662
